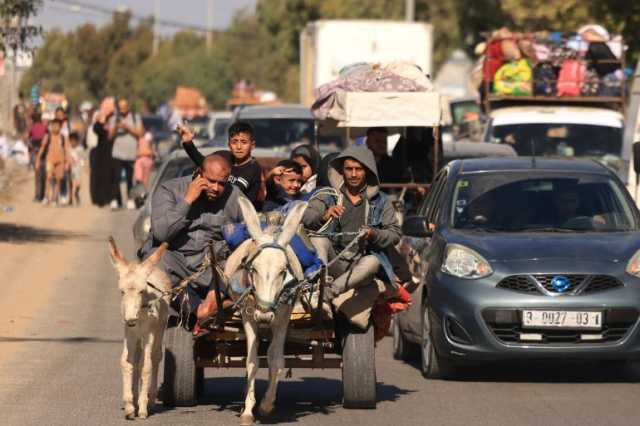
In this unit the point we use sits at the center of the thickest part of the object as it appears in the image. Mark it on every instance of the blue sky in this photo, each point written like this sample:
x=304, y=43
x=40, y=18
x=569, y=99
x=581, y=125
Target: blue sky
x=60, y=14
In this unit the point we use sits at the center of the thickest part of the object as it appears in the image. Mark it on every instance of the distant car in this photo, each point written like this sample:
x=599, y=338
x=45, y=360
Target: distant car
x=464, y=119
x=522, y=259
x=283, y=127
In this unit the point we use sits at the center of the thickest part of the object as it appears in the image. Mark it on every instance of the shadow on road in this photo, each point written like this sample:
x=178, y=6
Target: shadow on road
x=65, y=340
x=296, y=398
x=21, y=234
x=561, y=371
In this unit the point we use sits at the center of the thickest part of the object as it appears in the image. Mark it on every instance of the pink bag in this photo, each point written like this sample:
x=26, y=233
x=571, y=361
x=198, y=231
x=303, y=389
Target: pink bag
x=571, y=76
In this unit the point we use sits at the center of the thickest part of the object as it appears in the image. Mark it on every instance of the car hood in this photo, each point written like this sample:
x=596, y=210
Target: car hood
x=607, y=247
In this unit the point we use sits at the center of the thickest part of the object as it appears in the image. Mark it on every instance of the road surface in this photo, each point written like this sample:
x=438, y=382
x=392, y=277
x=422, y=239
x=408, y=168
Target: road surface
x=60, y=340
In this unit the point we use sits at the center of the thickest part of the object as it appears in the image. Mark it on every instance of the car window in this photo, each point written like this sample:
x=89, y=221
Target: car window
x=436, y=203
x=520, y=201
x=427, y=205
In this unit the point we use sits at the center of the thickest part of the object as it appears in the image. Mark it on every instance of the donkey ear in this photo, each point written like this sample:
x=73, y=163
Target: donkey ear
x=150, y=262
x=251, y=218
x=116, y=257
x=291, y=223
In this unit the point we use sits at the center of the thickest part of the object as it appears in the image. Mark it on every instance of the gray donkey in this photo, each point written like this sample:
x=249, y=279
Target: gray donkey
x=144, y=308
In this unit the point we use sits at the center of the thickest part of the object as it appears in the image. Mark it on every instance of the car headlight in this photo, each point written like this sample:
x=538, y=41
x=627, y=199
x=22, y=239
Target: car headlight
x=633, y=267
x=462, y=262
x=146, y=224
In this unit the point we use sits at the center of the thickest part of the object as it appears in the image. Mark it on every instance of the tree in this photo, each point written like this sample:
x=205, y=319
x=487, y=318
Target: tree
x=17, y=33
x=54, y=69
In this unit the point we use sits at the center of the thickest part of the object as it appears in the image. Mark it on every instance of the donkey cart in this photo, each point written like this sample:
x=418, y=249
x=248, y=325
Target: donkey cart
x=309, y=344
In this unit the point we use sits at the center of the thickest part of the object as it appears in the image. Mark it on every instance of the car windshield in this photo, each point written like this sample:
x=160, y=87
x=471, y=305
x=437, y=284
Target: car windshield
x=518, y=202
x=220, y=128
x=288, y=133
x=560, y=140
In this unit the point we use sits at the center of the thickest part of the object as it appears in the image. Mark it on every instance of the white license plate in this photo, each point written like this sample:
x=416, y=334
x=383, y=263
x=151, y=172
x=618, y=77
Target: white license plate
x=562, y=319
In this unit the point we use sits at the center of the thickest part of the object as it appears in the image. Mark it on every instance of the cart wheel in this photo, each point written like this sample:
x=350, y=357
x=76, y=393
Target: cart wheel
x=358, y=368
x=402, y=348
x=181, y=376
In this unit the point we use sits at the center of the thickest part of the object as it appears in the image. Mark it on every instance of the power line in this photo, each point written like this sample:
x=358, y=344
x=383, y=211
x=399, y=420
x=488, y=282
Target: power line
x=78, y=7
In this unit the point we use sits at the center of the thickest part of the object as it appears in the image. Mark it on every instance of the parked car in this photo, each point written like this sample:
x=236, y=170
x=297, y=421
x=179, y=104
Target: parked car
x=523, y=258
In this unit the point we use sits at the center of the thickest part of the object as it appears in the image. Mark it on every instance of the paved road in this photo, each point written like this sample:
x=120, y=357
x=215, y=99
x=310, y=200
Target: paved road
x=60, y=367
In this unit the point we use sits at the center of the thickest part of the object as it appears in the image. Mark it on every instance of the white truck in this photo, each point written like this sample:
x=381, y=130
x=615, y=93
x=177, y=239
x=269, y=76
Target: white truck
x=327, y=46
x=587, y=125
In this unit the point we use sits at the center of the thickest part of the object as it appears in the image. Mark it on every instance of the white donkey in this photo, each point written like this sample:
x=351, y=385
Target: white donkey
x=267, y=258
x=145, y=308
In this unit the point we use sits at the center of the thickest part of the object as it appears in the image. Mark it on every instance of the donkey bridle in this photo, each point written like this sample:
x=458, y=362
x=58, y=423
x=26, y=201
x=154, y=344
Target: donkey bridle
x=246, y=266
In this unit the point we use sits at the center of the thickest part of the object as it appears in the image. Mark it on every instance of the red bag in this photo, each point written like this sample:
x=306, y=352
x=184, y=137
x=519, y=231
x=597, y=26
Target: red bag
x=493, y=60
x=571, y=77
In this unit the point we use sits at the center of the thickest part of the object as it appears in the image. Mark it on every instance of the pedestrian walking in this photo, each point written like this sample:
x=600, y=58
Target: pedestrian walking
x=37, y=132
x=56, y=159
x=103, y=185
x=125, y=128
x=144, y=162
x=77, y=154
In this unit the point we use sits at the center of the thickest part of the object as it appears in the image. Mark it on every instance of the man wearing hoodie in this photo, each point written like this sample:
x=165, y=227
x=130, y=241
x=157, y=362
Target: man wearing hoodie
x=361, y=207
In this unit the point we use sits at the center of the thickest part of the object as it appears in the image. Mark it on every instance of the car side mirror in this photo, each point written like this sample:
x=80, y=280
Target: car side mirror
x=636, y=157
x=416, y=226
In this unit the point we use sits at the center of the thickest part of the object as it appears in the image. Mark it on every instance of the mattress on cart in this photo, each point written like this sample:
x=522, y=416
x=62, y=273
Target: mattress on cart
x=389, y=109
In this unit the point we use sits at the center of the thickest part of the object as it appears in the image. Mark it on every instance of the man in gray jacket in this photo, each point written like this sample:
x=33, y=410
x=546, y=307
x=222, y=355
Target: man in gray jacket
x=361, y=206
x=188, y=213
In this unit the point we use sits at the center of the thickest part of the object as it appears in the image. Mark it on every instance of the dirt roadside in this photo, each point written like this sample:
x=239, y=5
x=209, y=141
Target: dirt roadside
x=38, y=246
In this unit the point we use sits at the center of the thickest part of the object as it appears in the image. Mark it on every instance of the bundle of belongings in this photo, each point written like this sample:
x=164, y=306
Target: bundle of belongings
x=584, y=63
x=396, y=76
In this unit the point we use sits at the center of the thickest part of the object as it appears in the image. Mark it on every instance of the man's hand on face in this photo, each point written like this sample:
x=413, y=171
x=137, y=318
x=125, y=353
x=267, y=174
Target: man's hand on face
x=196, y=187
x=334, y=212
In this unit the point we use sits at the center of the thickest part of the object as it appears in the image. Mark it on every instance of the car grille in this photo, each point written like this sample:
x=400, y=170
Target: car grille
x=577, y=284
x=506, y=326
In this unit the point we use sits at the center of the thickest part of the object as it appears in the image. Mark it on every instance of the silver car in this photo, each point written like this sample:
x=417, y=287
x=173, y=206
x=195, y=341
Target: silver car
x=522, y=259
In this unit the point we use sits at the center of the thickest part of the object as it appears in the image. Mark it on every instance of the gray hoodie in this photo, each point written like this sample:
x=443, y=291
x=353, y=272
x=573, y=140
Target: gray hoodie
x=375, y=211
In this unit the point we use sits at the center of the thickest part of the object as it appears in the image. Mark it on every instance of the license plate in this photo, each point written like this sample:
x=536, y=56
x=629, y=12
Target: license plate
x=562, y=319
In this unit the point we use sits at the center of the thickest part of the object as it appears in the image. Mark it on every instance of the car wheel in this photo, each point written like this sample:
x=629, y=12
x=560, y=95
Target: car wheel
x=401, y=346
x=432, y=365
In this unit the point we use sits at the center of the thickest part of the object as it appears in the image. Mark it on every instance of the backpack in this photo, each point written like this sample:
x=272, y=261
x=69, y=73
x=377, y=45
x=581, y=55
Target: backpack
x=570, y=78
x=513, y=78
x=544, y=79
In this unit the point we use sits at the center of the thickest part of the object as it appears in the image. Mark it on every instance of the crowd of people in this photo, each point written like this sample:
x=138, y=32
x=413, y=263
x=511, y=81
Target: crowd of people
x=111, y=141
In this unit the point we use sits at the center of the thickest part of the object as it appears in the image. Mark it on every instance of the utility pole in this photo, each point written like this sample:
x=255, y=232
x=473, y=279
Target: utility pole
x=410, y=10
x=209, y=24
x=12, y=42
x=156, y=29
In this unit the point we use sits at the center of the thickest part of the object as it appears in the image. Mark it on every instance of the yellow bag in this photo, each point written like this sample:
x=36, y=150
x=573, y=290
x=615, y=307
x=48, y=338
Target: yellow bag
x=513, y=78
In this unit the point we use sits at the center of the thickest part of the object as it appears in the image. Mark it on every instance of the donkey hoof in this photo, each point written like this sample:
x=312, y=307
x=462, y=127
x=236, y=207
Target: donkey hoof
x=130, y=416
x=143, y=415
x=246, y=420
x=265, y=409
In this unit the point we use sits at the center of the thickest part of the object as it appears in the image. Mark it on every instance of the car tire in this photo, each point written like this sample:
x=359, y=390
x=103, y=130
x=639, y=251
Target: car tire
x=401, y=346
x=432, y=365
